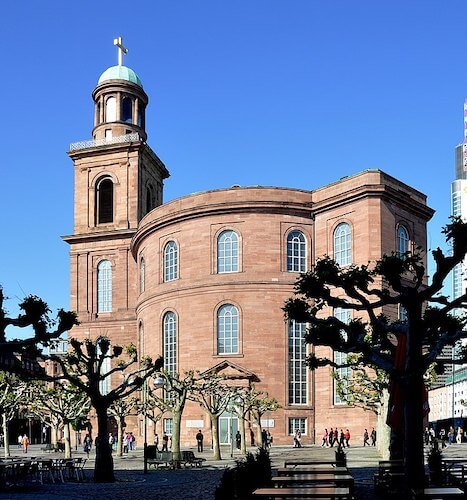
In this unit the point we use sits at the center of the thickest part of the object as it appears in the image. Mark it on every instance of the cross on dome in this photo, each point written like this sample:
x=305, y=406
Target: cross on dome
x=121, y=49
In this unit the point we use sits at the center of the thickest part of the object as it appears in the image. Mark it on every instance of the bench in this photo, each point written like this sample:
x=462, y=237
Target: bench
x=189, y=458
x=294, y=463
x=49, y=447
x=310, y=469
x=439, y=493
x=337, y=480
x=159, y=458
x=303, y=492
x=455, y=471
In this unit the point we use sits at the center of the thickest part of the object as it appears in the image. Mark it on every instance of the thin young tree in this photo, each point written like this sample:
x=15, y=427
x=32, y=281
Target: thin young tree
x=12, y=393
x=260, y=403
x=404, y=350
x=60, y=403
x=86, y=368
x=120, y=409
x=213, y=393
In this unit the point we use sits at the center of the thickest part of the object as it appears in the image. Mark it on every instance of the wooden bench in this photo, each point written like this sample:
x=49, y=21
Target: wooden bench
x=454, y=471
x=188, y=459
x=293, y=463
x=310, y=469
x=337, y=480
x=438, y=493
x=305, y=492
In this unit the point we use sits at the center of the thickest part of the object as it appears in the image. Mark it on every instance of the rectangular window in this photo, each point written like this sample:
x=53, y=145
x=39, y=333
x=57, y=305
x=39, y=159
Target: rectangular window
x=343, y=374
x=297, y=424
x=168, y=426
x=298, y=387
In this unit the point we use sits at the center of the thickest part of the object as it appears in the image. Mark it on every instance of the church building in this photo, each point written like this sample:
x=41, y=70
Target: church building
x=201, y=280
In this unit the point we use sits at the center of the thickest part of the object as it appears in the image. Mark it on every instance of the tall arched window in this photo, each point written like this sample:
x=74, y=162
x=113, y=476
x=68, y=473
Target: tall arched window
x=296, y=252
x=343, y=244
x=104, y=286
x=227, y=252
x=142, y=275
x=170, y=342
x=104, y=201
x=170, y=261
x=111, y=109
x=342, y=374
x=227, y=329
x=127, y=110
x=297, y=363
x=105, y=383
x=402, y=240
x=141, y=340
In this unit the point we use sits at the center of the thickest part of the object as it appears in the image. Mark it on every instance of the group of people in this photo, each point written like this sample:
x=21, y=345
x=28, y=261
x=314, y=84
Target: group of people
x=23, y=442
x=165, y=442
x=452, y=436
x=334, y=437
x=366, y=438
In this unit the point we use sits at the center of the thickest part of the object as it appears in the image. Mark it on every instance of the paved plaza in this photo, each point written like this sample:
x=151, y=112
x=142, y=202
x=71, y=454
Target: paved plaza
x=194, y=483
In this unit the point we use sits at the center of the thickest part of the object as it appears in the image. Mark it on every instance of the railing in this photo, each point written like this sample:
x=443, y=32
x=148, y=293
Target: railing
x=93, y=143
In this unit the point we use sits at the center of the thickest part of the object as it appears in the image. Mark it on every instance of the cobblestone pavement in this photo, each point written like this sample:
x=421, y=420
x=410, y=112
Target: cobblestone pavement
x=193, y=484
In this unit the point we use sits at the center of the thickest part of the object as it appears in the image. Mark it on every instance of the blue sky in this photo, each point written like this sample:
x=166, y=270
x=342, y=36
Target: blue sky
x=281, y=93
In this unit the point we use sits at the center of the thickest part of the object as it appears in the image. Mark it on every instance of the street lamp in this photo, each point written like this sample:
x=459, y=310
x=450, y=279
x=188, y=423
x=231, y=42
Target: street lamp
x=158, y=383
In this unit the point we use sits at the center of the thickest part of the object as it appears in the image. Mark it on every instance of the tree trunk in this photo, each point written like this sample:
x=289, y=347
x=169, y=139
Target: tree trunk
x=242, y=433
x=383, y=431
x=413, y=406
x=66, y=439
x=54, y=434
x=215, y=437
x=259, y=437
x=104, y=465
x=120, y=421
x=177, y=422
x=6, y=439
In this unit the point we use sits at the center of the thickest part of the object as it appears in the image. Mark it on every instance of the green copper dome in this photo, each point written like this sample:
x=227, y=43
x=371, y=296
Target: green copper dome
x=120, y=73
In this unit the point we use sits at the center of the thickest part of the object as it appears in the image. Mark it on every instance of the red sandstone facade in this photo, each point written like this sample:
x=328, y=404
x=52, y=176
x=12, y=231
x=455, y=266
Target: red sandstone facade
x=372, y=203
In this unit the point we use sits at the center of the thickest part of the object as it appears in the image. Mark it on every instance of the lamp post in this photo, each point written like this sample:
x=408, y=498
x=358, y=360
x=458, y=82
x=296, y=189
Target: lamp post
x=158, y=383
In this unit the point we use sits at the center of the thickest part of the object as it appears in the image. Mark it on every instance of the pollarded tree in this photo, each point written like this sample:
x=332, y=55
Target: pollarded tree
x=58, y=402
x=91, y=366
x=35, y=314
x=120, y=409
x=404, y=350
x=12, y=391
x=259, y=403
x=173, y=400
x=213, y=393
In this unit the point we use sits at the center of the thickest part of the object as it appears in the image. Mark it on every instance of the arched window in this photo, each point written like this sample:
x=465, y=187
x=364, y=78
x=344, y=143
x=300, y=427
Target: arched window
x=402, y=240
x=343, y=244
x=227, y=329
x=170, y=342
x=105, y=201
x=141, y=340
x=111, y=109
x=104, y=287
x=127, y=110
x=227, y=252
x=150, y=198
x=170, y=261
x=142, y=275
x=296, y=252
x=298, y=388
x=105, y=383
x=342, y=374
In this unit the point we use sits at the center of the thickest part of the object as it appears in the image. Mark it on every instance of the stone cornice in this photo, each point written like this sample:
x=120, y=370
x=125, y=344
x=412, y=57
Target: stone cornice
x=116, y=234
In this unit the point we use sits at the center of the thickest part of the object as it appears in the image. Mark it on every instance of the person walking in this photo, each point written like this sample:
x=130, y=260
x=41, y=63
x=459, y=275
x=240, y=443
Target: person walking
x=126, y=442
x=165, y=442
x=347, y=437
x=238, y=440
x=25, y=442
x=87, y=444
x=199, y=441
x=331, y=437
x=156, y=441
x=336, y=437
x=366, y=441
x=297, y=439
x=373, y=437
x=342, y=439
x=451, y=435
x=325, y=438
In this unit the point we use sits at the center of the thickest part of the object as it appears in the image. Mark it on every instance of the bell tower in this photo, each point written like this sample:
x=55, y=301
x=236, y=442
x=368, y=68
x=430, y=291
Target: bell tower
x=117, y=180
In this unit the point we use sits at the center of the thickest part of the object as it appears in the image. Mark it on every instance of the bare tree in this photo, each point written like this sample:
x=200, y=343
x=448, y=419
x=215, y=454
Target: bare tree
x=120, y=409
x=12, y=391
x=404, y=350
